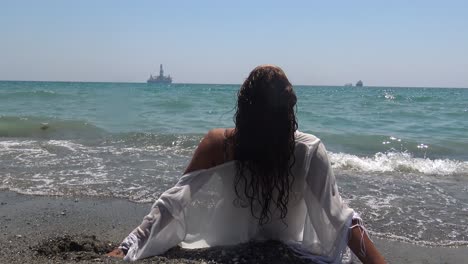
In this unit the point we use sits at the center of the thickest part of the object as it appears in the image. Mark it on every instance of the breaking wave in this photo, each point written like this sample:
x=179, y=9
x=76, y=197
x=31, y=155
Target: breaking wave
x=398, y=162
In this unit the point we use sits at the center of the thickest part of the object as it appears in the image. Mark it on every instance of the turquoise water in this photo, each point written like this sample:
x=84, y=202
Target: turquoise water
x=352, y=120
x=400, y=154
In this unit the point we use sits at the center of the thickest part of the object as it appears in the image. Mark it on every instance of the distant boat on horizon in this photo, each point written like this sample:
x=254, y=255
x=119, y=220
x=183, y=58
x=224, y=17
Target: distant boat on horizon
x=161, y=78
x=359, y=84
x=348, y=85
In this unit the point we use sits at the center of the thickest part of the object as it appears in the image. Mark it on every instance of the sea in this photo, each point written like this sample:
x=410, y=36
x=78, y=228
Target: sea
x=400, y=155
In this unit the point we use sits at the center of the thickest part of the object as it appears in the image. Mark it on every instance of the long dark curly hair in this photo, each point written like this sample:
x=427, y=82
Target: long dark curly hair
x=263, y=142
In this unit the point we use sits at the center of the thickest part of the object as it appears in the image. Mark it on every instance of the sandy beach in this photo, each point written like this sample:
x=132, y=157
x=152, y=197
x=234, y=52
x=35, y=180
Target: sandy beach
x=50, y=229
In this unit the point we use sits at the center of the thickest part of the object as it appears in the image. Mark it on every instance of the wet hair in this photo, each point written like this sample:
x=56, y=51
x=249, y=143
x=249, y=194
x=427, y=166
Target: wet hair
x=263, y=142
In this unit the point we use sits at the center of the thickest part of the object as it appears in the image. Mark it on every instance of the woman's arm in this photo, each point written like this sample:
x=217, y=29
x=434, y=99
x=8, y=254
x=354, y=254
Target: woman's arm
x=363, y=247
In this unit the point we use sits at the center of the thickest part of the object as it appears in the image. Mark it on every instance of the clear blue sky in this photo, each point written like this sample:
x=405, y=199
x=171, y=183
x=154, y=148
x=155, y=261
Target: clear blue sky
x=395, y=43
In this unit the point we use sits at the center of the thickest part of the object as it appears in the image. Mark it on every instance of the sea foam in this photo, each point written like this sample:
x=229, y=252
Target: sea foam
x=398, y=162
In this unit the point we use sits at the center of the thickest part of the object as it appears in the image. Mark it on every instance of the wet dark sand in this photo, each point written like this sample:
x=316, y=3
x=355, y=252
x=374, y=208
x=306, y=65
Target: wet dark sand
x=45, y=229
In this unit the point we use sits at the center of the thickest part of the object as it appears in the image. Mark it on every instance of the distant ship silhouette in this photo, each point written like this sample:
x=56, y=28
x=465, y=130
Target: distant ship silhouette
x=161, y=78
x=359, y=84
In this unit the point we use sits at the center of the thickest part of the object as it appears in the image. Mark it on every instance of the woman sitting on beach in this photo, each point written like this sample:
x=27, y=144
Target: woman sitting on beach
x=261, y=180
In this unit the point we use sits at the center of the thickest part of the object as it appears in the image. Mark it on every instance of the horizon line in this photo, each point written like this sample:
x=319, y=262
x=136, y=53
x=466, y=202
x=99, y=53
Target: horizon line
x=314, y=85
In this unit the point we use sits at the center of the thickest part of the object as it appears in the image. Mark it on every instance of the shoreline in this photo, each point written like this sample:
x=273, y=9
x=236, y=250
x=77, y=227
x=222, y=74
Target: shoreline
x=55, y=229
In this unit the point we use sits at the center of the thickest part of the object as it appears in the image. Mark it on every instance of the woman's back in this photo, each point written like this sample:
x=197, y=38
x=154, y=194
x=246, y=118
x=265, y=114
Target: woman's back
x=244, y=226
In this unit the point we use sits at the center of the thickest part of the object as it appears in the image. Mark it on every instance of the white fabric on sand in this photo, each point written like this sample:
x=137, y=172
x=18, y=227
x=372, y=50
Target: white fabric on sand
x=199, y=211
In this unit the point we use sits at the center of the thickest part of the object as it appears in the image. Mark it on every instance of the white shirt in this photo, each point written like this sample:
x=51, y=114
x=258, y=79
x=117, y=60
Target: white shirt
x=199, y=211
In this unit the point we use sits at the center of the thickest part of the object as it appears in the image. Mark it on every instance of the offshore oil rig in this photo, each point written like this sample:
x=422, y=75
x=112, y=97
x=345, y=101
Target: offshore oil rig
x=161, y=78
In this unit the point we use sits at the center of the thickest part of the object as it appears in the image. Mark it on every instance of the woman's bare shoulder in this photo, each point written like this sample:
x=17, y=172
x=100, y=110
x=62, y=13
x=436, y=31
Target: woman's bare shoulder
x=215, y=133
x=219, y=133
x=210, y=151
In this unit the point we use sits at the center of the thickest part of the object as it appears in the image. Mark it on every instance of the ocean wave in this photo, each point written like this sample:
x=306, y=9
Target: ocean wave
x=370, y=144
x=48, y=128
x=137, y=139
x=41, y=93
x=401, y=96
x=398, y=162
x=402, y=238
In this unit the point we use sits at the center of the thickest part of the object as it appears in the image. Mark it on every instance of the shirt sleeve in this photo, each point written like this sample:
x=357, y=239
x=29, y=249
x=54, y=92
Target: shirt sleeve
x=160, y=230
x=165, y=225
x=326, y=227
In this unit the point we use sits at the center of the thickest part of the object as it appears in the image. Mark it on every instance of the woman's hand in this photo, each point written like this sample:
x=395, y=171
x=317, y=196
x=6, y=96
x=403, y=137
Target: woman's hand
x=116, y=253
